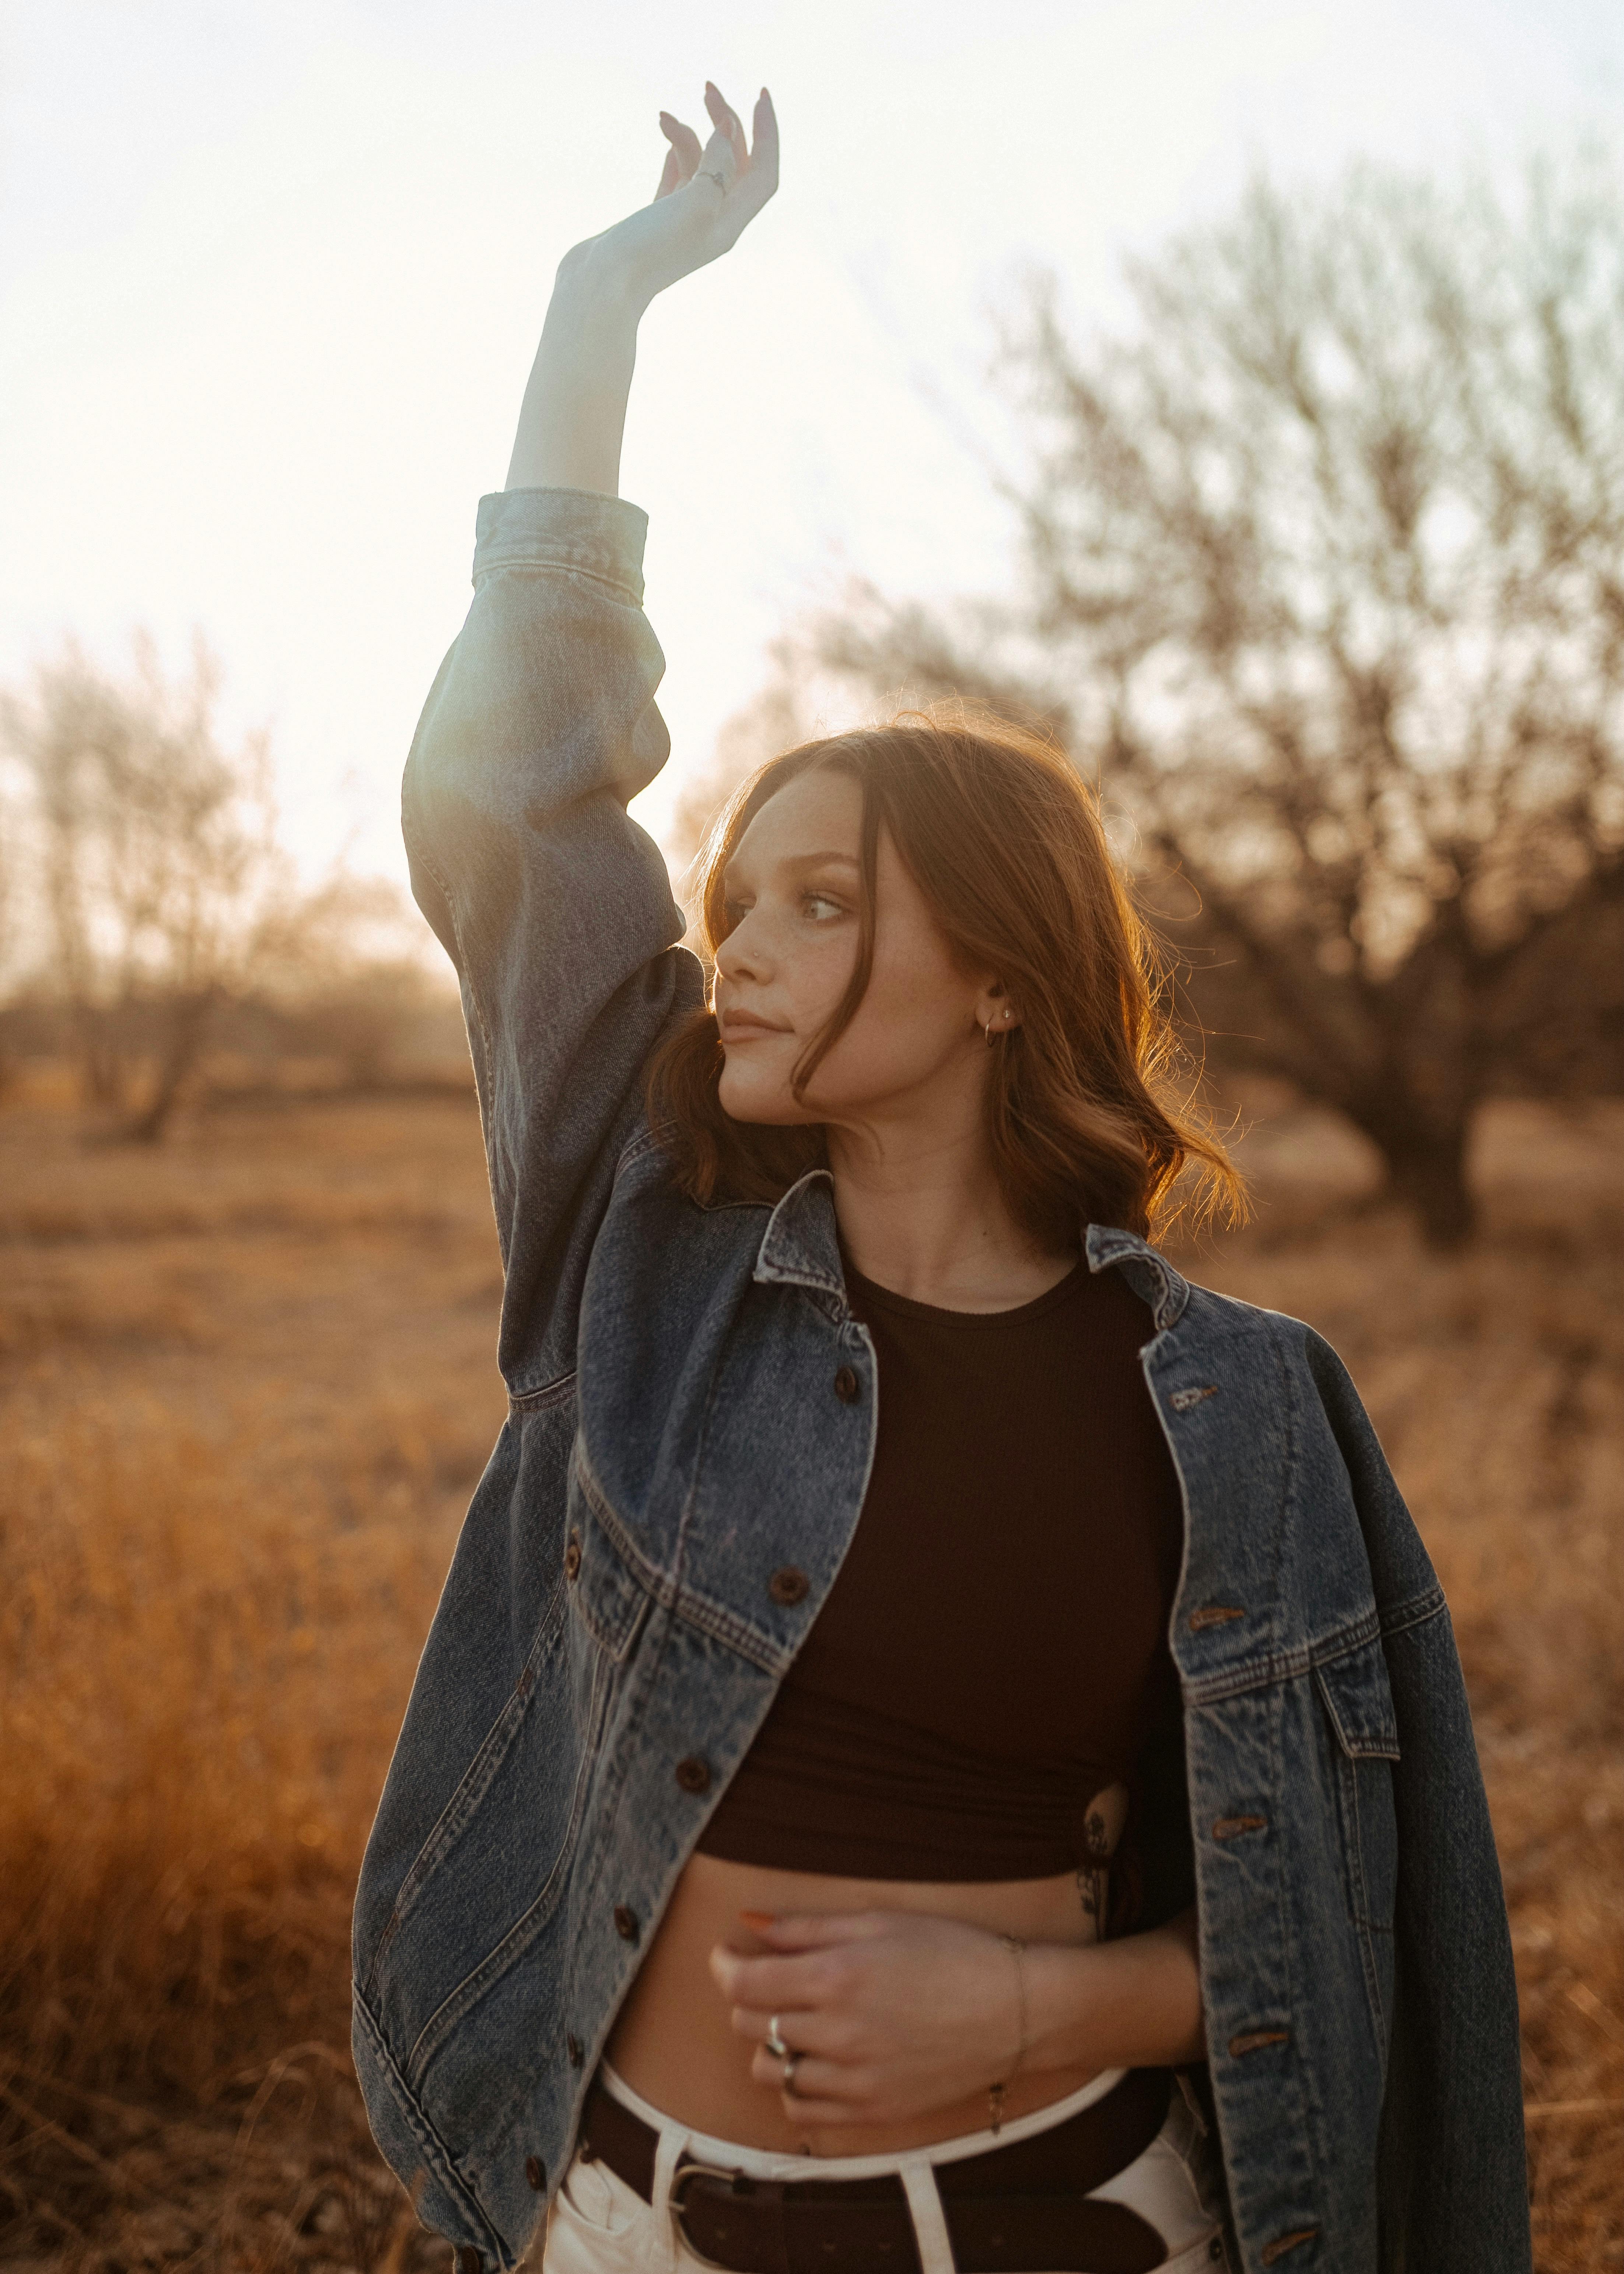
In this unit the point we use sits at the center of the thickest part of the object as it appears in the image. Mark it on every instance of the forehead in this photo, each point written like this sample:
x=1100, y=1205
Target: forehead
x=819, y=811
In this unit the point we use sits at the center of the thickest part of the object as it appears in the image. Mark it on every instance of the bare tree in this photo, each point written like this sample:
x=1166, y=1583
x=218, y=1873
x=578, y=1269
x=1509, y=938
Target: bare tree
x=1325, y=560
x=162, y=885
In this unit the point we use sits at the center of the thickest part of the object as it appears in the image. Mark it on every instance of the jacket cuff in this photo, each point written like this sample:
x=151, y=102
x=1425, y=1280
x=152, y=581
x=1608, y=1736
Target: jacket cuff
x=579, y=529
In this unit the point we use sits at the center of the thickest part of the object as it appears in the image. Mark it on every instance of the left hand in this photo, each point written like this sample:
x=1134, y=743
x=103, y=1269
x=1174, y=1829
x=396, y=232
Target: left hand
x=893, y=2015
x=706, y=198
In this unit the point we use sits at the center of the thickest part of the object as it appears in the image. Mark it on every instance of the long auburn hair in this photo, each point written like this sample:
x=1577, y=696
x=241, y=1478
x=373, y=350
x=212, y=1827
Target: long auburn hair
x=1005, y=841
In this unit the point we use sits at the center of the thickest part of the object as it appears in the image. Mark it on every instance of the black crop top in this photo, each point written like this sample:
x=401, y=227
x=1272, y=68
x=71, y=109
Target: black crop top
x=993, y=1652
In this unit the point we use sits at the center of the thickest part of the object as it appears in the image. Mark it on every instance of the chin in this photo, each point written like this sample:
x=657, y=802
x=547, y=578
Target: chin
x=769, y=1104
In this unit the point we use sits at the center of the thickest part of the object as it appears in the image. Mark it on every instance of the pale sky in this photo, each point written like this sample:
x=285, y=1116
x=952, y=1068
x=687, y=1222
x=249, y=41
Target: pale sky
x=272, y=272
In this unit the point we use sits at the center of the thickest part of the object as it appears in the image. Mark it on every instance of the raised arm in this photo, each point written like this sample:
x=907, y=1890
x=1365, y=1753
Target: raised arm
x=553, y=906
x=574, y=407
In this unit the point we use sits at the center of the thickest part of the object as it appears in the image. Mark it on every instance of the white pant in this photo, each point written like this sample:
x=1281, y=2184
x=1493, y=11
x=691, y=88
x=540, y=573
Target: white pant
x=599, y=2225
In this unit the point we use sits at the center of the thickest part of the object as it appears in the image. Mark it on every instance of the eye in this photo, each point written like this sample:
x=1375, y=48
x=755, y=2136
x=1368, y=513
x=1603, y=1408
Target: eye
x=816, y=903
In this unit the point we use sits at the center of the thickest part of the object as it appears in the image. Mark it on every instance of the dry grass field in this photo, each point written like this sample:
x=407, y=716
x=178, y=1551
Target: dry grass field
x=245, y=1387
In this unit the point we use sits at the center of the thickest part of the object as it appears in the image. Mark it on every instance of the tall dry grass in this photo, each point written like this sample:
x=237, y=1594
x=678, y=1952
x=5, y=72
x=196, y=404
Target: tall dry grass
x=244, y=1388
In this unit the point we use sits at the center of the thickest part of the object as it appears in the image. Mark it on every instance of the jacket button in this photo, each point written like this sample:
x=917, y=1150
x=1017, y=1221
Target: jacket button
x=693, y=1774
x=536, y=2172
x=789, y=1586
x=572, y=1555
x=624, y=1923
x=572, y=2047
x=847, y=1388
x=469, y=2261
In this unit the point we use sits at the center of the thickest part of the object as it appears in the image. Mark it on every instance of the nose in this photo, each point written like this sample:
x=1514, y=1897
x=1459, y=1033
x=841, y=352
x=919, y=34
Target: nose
x=742, y=954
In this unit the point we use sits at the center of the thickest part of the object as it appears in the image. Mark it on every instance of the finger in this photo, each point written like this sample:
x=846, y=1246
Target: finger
x=803, y=2032
x=760, y=180
x=764, y=145
x=768, y=1986
x=815, y=1930
x=718, y=164
x=684, y=142
x=816, y=2080
x=670, y=177
x=726, y=120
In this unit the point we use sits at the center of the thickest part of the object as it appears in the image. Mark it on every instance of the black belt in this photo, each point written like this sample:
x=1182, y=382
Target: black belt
x=1007, y=2210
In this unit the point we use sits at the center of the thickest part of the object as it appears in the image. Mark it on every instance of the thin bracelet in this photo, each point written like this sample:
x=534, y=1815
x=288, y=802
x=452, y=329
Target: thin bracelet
x=995, y=2092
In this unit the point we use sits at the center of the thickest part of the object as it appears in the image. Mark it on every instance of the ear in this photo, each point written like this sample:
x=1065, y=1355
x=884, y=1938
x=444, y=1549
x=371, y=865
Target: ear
x=993, y=1009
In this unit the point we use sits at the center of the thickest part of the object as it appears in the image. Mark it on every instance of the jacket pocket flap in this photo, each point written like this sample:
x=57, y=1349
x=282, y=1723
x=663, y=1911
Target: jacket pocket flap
x=1359, y=1701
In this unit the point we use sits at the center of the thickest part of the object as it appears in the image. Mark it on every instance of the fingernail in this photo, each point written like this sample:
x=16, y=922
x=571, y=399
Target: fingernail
x=757, y=1918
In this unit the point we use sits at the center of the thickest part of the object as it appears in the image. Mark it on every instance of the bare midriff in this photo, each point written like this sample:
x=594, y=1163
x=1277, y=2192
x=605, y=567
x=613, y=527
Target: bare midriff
x=674, y=2043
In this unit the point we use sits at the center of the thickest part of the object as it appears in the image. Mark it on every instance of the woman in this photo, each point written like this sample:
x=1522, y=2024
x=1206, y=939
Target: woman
x=737, y=1891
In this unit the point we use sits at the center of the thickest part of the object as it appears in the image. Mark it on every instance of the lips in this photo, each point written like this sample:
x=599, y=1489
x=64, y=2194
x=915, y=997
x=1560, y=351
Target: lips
x=743, y=1026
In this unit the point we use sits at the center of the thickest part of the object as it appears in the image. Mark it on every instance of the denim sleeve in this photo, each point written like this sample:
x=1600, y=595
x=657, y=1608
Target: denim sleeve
x=553, y=906
x=1452, y=2173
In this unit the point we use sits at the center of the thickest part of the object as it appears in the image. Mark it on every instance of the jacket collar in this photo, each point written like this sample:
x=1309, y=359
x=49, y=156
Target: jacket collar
x=1145, y=1267
x=801, y=1247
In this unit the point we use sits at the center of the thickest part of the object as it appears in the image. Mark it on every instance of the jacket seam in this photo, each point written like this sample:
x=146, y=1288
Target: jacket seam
x=550, y=565
x=637, y=1695
x=435, y=2150
x=694, y=1609
x=1303, y=2073
x=415, y=845
x=633, y=1151
x=1285, y=1665
x=473, y=1786
x=1415, y=1613
x=506, y=1954
x=551, y=1393
x=1291, y=1465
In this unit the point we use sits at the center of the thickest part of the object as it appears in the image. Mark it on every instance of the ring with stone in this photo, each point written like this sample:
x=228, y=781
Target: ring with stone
x=786, y=2082
x=775, y=2045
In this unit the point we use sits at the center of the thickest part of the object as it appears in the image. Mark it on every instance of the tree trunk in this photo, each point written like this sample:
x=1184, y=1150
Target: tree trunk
x=101, y=1056
x=189, y=1023
x=1426, y=1168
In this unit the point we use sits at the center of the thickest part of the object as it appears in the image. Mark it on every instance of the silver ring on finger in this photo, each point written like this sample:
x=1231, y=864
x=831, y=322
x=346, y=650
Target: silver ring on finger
x=775, y=2045
x=792, y=2062
x=710, y=174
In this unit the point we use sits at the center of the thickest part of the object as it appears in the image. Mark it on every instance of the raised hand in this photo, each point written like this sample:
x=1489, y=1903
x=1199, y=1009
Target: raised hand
x=707, y=195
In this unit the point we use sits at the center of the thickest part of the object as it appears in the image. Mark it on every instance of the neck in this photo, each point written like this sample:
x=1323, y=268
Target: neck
x=926, y=1216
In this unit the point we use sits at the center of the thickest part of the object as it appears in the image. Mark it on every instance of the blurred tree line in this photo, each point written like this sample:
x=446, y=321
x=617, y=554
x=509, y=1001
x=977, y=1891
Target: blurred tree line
x=1323, y=583
x=151, y=918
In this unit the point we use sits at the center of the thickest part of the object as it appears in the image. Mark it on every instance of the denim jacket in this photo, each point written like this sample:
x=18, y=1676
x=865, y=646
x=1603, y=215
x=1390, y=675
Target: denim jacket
x=677, y=1481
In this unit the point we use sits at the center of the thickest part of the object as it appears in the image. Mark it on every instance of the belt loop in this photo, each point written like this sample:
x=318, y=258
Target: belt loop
x=936, y=2245
x=668, y=2246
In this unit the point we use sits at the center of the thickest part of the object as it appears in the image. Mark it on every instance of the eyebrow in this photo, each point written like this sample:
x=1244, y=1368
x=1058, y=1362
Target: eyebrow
x=797, y=862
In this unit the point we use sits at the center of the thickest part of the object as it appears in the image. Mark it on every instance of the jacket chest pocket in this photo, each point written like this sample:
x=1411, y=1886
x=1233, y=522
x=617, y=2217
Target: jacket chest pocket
x=1358, y=1704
